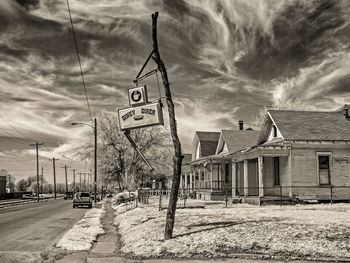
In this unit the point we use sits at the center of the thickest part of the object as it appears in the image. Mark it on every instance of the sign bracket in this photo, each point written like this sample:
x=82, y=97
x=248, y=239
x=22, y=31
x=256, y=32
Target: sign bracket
x=127, y=135
x=144, y=65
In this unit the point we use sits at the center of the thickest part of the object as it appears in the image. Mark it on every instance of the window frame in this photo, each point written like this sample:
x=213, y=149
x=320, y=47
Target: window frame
x=330, y=165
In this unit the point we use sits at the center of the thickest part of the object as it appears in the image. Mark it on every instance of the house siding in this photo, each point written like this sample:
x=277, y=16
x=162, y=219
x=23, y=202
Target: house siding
x=305, y=179
x=270, y=188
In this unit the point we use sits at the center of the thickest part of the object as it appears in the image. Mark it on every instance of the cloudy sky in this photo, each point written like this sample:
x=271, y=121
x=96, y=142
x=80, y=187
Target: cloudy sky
x=225, y=60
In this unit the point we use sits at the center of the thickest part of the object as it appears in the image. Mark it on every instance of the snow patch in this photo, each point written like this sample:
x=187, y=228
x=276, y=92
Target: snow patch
x=292, y=231
x=84, y=233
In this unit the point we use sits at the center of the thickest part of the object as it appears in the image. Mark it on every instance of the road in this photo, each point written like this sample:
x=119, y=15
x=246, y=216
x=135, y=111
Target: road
x=30, y=229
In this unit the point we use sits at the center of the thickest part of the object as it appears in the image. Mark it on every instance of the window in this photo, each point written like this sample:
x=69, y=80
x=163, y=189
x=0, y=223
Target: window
x=274, y=131
x=276, y=171
x=324, y=169
x=202, y=176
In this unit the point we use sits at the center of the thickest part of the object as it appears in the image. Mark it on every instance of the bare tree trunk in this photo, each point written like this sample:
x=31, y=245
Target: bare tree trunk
x=170, y=217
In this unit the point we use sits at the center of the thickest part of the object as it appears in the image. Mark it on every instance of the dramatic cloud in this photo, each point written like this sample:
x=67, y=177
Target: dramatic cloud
x=225, y=60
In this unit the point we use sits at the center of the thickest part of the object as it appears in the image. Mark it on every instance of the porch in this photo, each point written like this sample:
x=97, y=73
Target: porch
x=263, y=172
x=212, y=178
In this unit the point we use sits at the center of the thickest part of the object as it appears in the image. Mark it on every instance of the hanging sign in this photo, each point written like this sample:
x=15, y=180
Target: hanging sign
x=138, y=96
x=142, y=116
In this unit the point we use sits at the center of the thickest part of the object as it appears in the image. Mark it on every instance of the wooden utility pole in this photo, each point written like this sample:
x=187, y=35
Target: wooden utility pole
x=170, y=216
x=65, y=173
x=42, y=180
x=54, y=175
x=73, y=180
x=37, y=167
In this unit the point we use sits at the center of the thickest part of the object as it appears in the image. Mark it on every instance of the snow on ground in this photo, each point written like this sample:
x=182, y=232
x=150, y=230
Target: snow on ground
x=319, y=230
x=84, y=233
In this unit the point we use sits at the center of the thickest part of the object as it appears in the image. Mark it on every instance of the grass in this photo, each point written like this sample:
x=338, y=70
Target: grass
x=300, y=231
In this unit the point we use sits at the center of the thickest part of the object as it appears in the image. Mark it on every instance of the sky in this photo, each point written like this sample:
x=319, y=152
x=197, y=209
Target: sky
x=225, y=61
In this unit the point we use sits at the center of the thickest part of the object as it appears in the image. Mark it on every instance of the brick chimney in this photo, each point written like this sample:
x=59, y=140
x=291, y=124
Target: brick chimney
x=346, y=114
x=240, y=125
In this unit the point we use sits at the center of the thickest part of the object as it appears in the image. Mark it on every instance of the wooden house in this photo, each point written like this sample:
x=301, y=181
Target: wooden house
x=298, y=155
x=211, y=161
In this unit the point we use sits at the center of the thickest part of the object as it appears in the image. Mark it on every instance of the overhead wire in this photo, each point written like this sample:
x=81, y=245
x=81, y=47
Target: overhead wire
x=81, y=70
x=11, y=126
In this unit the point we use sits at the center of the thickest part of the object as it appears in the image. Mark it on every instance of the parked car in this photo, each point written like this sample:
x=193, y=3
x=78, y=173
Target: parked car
x=82, y=199
x=68, y=195
x=98, y=197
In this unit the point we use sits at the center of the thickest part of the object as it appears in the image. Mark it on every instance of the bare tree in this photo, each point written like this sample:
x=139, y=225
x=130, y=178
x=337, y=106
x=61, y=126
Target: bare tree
x=118, y=161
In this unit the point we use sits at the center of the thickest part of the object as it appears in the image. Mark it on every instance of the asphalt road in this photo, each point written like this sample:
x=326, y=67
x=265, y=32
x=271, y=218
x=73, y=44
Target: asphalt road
x=36, y=227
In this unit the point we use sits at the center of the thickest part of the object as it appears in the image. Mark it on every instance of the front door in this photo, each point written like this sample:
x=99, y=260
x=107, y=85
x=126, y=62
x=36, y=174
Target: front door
x=253, y=180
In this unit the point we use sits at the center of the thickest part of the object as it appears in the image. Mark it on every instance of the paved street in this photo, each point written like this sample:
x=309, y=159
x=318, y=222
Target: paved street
x=35, y=227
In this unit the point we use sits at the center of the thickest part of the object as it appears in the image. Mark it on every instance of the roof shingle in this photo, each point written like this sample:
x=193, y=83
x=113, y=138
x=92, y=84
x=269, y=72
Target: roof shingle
x=311, y=125
x=237, y=139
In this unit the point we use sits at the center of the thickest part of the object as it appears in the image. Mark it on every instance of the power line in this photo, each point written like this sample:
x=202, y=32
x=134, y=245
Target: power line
x=81, y=70
x=18, y=131
x=14, y=140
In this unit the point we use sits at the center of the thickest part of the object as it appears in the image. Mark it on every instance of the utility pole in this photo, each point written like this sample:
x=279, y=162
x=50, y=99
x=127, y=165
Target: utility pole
x=84, y=182
x=54, y=175
x=170, y=217
x=89, y=181
x=80, y=182
x=42, y=180
x=74, y=180
x=65, y=173
x=95, y=161
x=37, y=166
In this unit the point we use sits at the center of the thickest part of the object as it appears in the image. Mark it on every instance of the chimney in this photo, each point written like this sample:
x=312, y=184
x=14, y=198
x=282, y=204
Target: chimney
x=346, y=113
x=240, y=125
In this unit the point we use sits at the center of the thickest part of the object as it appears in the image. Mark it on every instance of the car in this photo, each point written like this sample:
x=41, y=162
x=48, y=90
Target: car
x=82, y=199
x=68, y=195
x=98, y=198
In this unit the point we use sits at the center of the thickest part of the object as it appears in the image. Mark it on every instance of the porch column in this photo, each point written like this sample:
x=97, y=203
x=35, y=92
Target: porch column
x=211, y=175
x=234, y=180
x=261, y=175
x=199, y=176
x=290, y=164
x=185, y=181
x=181, y=182
x=245, y=173
x=191, y=180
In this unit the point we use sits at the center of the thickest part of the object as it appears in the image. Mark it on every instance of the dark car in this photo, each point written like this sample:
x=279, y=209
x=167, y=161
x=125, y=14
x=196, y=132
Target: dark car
x=82, y=199
x=68, y=195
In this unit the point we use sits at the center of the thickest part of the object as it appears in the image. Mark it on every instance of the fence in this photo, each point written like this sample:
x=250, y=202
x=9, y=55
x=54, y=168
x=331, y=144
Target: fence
x=256, y=195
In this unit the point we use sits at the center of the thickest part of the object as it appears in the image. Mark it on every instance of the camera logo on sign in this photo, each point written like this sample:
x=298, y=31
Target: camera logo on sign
x=138, y=96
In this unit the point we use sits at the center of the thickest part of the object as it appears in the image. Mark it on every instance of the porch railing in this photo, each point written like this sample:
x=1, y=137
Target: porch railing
x=212, y=185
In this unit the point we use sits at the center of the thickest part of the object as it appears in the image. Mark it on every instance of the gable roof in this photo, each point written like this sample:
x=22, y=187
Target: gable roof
x=208, y=142
x=208, y=136
x=311, y=125
x=240, y=139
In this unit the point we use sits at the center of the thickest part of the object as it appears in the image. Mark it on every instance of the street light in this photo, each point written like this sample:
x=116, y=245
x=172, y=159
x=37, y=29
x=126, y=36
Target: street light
x=95, y=155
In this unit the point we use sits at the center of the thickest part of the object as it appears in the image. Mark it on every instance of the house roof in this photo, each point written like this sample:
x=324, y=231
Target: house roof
x=311, y=125
x=208, y=136
x=208, y=142
x=240, y=139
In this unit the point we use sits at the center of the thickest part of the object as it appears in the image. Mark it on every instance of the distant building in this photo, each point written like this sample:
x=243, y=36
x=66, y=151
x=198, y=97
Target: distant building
x=2, y=187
